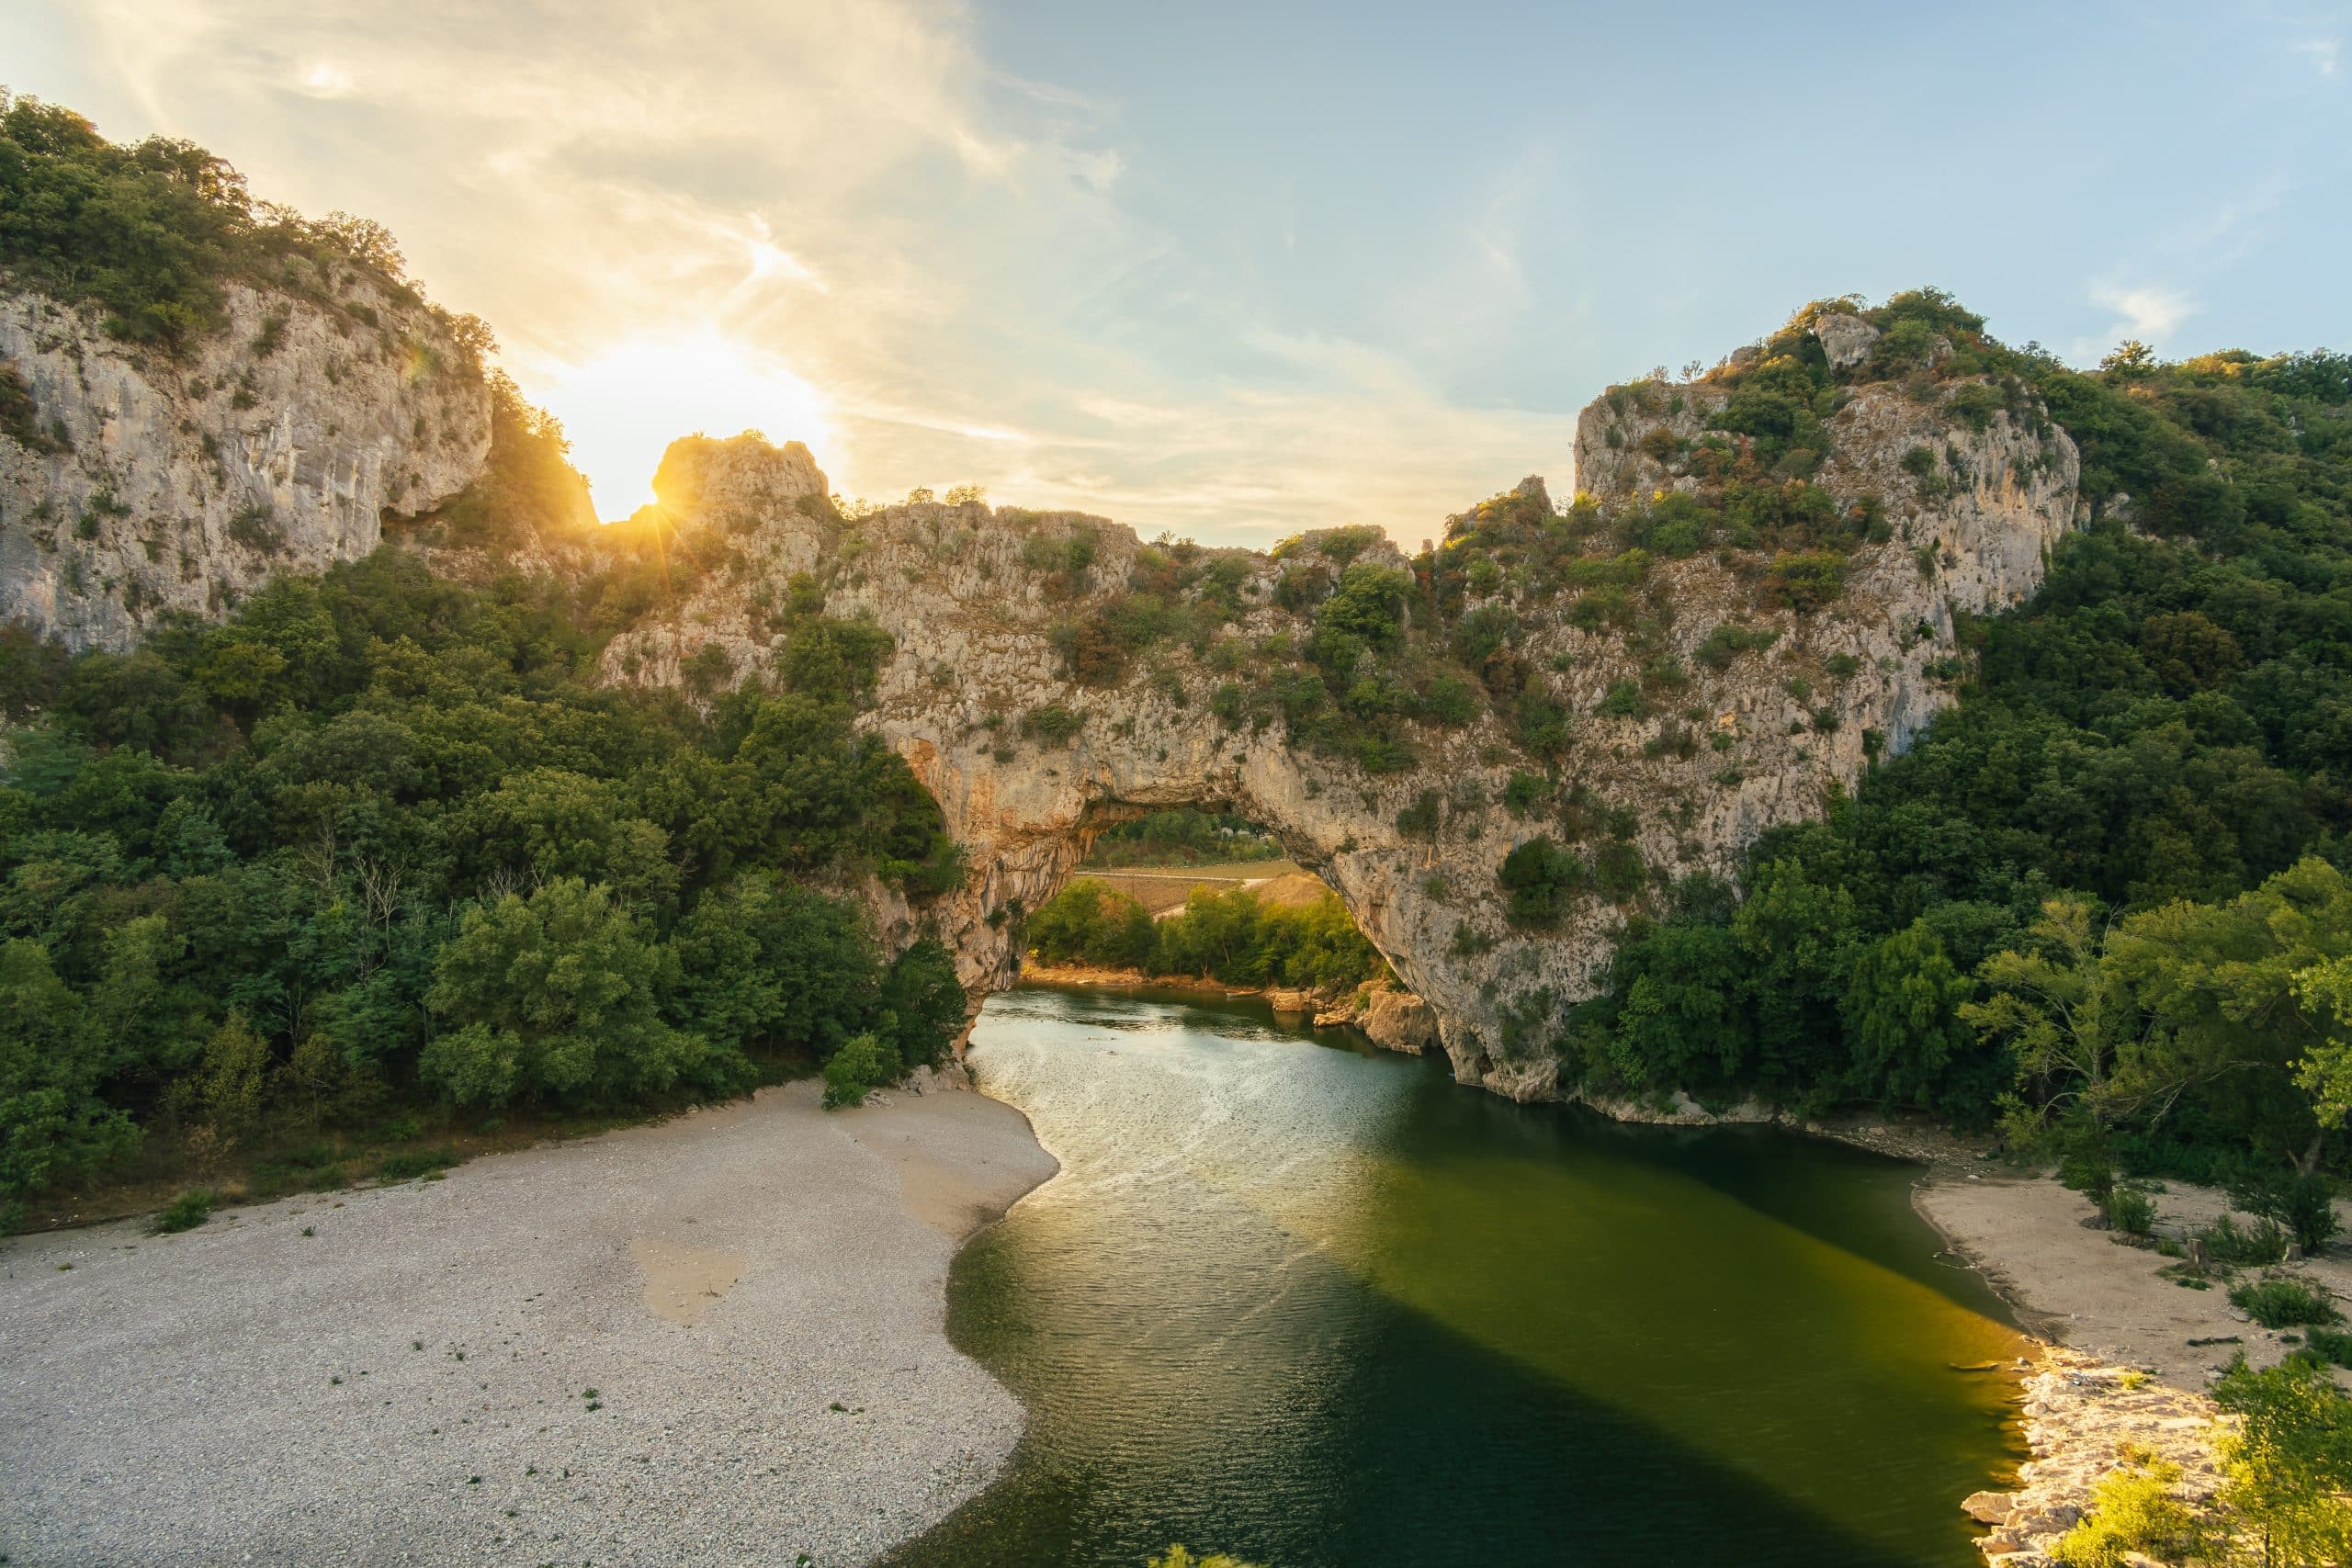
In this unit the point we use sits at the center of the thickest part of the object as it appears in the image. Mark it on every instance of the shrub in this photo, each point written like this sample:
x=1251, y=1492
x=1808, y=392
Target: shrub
x=2132, y=1511
x=864, y=1063
x=2285, y=1301
x=185, y=1212
x=1623, y=700
x=1420, y=821
x=1540, y=877
x=254, y=526
x=1805, y=582
x=2131, y=1210
x=2304, y=1204
x=2231, y=1245
x=1052, y=724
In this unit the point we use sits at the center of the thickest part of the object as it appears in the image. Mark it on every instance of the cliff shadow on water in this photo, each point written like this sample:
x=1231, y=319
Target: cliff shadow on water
x=1319, y=1306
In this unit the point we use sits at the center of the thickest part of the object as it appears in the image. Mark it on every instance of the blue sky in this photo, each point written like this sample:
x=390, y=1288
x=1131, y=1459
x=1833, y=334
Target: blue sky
x=1238, y=269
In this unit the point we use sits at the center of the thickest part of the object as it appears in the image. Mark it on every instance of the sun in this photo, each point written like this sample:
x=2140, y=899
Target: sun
x=623, y=408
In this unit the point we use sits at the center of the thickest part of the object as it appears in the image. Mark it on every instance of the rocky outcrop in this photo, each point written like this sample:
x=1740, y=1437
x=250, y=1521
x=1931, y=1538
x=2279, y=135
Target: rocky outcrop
x=1846, y=340
x=1398, y=1020
x=137, y=482
x=2083, y=1419
x=1029, y=764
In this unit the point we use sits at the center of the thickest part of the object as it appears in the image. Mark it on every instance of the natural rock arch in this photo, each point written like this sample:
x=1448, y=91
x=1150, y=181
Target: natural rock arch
x=987, y=611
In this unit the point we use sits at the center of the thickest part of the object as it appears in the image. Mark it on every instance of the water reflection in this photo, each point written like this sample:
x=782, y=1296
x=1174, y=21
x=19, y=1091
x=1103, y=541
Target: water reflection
x=1321, y=1305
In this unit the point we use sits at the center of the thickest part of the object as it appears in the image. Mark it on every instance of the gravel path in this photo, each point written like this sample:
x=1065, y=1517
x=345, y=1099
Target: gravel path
x=754, y=1293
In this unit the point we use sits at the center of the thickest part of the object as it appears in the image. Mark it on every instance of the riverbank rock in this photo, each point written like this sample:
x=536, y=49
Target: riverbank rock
x=1398, y=1020
x=2083, y=1417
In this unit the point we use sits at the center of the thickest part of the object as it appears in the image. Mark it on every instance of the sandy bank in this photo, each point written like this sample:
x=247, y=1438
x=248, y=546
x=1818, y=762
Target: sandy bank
x=2133, y=1348
x=2088, y=1290
x=754, y=1294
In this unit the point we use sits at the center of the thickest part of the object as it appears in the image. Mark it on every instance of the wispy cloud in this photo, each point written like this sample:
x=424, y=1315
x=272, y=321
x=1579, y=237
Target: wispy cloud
x=851, y=191
x=2325, y=54
x=2149, y=312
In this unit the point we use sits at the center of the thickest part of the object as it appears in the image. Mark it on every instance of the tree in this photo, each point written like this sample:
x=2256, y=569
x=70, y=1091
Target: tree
x=2061, y=1014
x=2240, y=989
x=1902, y=1015
x=864, y=1062
x=2286, y=1461
x=1541, y=878
x=52, y=1122
x=553, y=997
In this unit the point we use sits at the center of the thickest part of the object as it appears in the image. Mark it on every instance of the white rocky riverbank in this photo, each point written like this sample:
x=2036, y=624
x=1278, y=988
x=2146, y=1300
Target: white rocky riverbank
x=715, y=1340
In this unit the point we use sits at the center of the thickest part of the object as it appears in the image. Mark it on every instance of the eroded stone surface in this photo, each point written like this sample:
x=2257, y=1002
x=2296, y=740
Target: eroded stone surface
x=973, y=618
x=158, y=484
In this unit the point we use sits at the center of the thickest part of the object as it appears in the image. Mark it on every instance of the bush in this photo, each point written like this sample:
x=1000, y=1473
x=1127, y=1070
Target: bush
x=2231, y=1245
x=1805, y=582
x=1052, y=724
x=2304, y=1204
x=185, y=1212
x=863, y=1064
x=1541, y=878
x=2285, y=1301
x=2131, y=1210
x=2330, y=1345
x=2132, y=1511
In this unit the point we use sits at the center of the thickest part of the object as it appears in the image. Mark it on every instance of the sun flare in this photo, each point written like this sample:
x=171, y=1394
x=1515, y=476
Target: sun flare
x=623, y=407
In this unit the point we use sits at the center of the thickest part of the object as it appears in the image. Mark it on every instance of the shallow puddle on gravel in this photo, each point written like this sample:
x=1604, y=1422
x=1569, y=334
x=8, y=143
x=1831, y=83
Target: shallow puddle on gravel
x=684, y=1282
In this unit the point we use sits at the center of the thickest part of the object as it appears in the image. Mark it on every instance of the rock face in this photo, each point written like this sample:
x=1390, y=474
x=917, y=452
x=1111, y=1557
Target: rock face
x=981, y=606
x=1845, y=339
x=140, y=484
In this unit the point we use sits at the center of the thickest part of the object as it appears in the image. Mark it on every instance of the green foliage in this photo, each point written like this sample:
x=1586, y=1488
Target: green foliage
x=1233, y=936
x=185, y=1212
x=2231, y=1245
x=2133, y=1509
x=1183, y=837
x=833, y=659
x=1052, y=723
x=863, y=1063
x=2301, y=1202
x=2131, y=1210
x=1541, y=879
x=2287, y=1463
x=380, y=839
x=152, y=233
x=2285, y=1301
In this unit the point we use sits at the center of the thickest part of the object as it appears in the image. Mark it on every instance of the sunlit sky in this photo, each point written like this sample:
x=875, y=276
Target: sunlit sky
x=1235, y=269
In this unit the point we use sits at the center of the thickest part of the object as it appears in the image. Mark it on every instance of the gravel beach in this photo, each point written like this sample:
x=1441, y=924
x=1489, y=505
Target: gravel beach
x=717, y=1340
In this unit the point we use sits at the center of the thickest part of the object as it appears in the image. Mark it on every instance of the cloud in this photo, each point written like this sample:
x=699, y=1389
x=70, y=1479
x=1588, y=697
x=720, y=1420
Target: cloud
x=2147, y=311
x=2326, y=54
x=849, y=189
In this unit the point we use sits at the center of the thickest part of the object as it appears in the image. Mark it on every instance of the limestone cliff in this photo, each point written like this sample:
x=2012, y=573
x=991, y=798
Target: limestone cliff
x=981, y=693
x=133, y=482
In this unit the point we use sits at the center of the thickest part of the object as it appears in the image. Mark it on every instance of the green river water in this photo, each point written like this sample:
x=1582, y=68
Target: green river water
x=1315, y=1304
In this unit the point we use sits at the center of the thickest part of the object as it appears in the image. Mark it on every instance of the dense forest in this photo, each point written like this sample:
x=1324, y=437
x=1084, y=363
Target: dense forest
x=381, y=844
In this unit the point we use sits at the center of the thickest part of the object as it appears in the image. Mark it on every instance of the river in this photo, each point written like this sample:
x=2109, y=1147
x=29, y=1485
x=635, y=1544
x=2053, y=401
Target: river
x=1315, y=1304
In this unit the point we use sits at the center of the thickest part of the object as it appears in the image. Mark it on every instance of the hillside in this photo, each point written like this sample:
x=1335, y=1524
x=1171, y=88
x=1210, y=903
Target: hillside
x=1869, y=686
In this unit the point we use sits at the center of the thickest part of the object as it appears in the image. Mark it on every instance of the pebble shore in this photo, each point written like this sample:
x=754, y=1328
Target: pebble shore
x=715, y=1341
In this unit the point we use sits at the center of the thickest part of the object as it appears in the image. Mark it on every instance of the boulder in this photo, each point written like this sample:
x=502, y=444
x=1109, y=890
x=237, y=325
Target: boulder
x=1845, y=339
x=1399, y=1021
x=1989, y=1507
